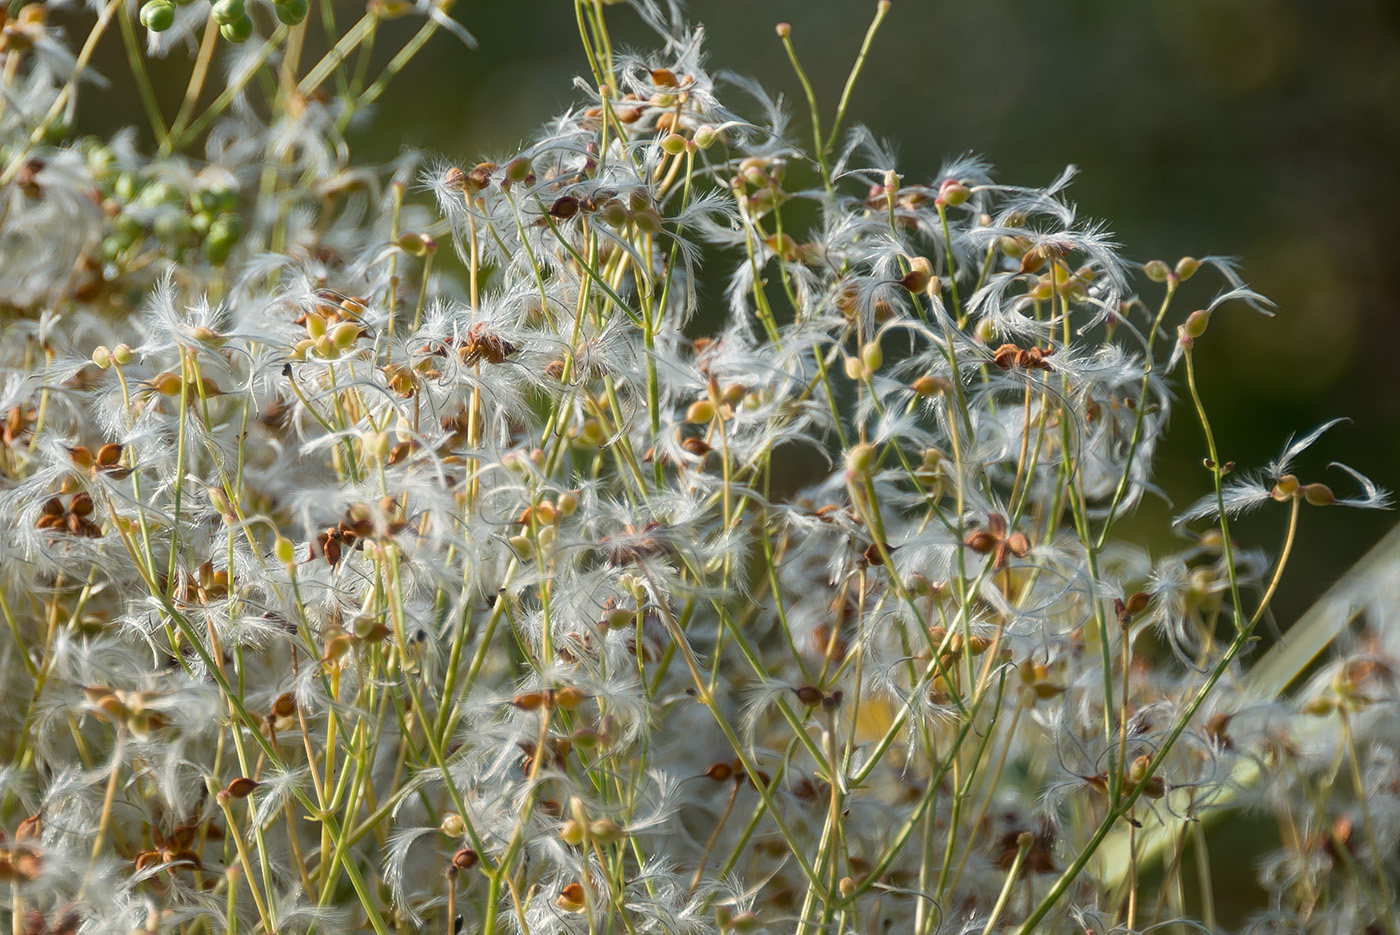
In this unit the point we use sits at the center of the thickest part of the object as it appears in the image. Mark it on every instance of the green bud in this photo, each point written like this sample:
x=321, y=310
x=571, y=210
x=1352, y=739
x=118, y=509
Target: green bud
x=171, y=226
x=158, y=15
x=127, y=187
x=955, y=194
x=1186, y=267
x=614, y=213
x=128, y=226
x=647, y=221
x=112, y=247
x=101, y=357
x=345, y=334
x=673, y=144
x=700, y=412
x=284, y=551
x=1156, y=270
x=517, y=170
x=217, y=249
x=1196, y=323
x=227, y=11
x=122, y=354
x=872, y=356
x=706, y=136
x=239, y=30
x=291, y=12
x=861, y=458
x=413, y=244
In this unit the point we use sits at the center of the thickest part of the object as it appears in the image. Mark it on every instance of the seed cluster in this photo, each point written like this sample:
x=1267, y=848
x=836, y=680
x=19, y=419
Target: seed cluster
x=713, y=535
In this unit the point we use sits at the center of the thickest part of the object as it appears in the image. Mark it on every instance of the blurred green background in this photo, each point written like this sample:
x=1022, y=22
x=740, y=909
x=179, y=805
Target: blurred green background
x=1263, y=129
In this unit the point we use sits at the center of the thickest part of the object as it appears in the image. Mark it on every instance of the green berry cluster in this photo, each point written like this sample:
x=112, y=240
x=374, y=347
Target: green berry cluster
x=145, y=210
x=235, y=23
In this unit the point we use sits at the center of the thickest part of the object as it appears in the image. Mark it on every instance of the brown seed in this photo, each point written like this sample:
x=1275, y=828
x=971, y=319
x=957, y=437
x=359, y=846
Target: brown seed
x=80, y=456
x=108, y=455
x=465, y=859
x=240, y=787
x=285, y=705
x=571, y=898
x=564, y=207
x=529, y=701
x=30, y=829
x=809, y=695
x=720, y=772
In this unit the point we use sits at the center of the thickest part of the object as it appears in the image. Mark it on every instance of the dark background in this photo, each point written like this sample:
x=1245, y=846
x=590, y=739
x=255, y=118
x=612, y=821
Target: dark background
x=1269, y=131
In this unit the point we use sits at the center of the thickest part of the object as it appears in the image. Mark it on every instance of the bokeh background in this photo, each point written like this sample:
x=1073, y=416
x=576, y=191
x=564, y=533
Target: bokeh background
x=1268, y=130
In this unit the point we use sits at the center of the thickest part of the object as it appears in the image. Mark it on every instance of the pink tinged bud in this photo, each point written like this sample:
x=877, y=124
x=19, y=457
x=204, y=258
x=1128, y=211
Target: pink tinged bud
x=783, y=30
x=953, y=193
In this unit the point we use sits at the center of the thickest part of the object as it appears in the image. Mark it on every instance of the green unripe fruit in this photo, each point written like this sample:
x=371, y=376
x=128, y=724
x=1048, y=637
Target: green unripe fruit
x=128, y=227
x=861, y=458
x=171, y=226
x=127, y=187
x=227, y=226
x=112, y=247
x=291, y=12
x=1156, y=270
x=239, y=30
x=1196, y=323
x=219, y=244
x=700, y=412
x=201, y=223
x=518, y=170
x=872, y=356
x=158, y=15
x=228, y=11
